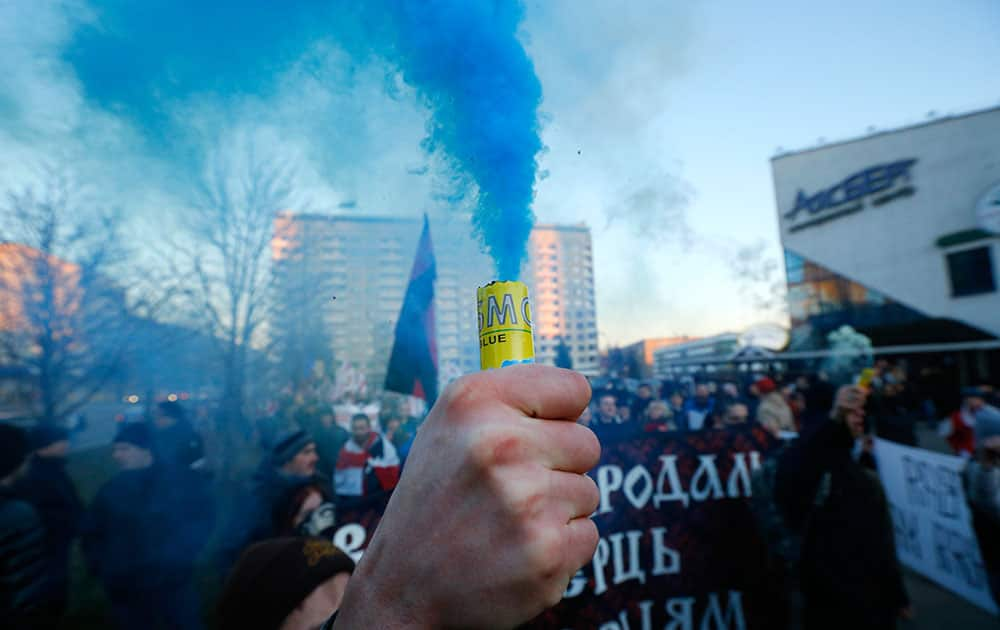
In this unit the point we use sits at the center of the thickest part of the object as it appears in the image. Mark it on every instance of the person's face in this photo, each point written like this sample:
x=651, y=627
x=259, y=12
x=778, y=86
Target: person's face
x=730, y=390
x=701, y=392
x=317, y=607
x=645, y=392
x=161, y=420
x=393, y=425
x=327, y=420
x=855, y=419
x=975, y=403
x=736, y=414
x=625, y=412
x=676, y=400
x=58, y=449
x=131, y=457
x=656, y=412
x=304, y=462
x=360, y=430
x=608, y=407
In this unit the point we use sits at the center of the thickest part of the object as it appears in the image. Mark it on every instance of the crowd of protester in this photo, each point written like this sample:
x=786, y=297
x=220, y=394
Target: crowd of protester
x=150, y=526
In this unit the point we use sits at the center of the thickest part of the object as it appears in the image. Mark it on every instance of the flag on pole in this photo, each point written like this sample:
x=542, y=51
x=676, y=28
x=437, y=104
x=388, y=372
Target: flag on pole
x=413, y=362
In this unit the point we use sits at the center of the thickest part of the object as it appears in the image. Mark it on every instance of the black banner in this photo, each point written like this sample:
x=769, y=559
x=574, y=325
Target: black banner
x=679, y=545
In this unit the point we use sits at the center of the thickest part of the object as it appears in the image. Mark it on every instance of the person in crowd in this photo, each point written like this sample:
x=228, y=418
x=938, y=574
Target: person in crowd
x=658, y=418
x=367, y=464
x=624, y=411
x=797, y=405
x=698, y=409
x=734, y=414
x=306, y=509
x=175, y=442
x=961, y=434
x=48, y=488
x=849, y=573
x=143, y=534
x=959, y=427
x=607, y=410
x=773, y=413
x=290, y=462
x=392, y=430
x=677, y=409
x=289, y=583
x=327, y=434
x=728, y=393
x=643, y=396
x=819, y=400
x=23, y=561
x=893, y=419
x=608, y=424
x=981, y=478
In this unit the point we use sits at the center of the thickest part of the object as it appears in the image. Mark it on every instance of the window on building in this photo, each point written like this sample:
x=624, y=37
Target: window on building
x=971, y=272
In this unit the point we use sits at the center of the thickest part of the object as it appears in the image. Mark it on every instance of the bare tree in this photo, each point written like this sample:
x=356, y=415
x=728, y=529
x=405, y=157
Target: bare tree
x=63, y=310
x=224, y=255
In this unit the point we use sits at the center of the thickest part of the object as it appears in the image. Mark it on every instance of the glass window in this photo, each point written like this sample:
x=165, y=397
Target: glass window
x=971, y=272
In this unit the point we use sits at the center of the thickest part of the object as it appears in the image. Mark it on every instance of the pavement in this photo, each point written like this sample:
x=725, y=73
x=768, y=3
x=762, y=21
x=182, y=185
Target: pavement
x=936, y=608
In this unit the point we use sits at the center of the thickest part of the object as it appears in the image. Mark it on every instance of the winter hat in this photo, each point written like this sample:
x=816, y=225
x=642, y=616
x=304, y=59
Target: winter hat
x=288, y=446
x=46, y=434
x=765, y=385
x=13, y=449
x=273, y=577
x=987, y=424
x=136, y=434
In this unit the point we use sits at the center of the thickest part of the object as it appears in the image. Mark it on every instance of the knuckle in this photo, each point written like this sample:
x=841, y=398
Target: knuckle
x=591, y=495
x=545, y=553
x=461, y=395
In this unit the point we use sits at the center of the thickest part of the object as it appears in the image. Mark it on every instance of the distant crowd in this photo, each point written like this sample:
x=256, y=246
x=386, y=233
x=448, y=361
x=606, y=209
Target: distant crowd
x=153, y=523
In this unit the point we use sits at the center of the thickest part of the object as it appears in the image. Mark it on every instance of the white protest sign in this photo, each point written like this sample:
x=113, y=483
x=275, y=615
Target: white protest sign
x=931, y=519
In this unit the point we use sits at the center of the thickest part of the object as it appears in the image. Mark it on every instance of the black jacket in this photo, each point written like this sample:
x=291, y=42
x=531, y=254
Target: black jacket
x=22, y=562
x=178, y=446
x=849, y=572
x=48, y=488
x=146, y=528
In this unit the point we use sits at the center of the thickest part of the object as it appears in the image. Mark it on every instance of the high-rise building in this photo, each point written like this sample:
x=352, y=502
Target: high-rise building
x=360, y=267
x=364, y=262
x=559, y=273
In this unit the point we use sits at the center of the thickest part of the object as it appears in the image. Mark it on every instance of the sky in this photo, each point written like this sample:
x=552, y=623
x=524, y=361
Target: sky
x=658, y=119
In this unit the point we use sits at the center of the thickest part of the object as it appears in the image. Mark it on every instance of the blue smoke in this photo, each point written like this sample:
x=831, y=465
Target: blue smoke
x=462, y=57
x=464, y=60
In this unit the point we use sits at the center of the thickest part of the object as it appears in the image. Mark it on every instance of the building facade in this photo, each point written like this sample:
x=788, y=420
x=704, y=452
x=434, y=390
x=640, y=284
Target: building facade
x=559, y=273
x=675, y=359
x=896, y=234
x=364, y=263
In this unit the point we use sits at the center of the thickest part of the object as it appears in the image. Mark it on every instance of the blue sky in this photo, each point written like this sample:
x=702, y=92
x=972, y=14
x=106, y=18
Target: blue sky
x=659, y=117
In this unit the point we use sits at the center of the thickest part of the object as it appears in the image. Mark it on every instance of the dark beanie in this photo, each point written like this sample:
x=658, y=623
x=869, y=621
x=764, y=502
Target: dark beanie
x=13, y=448
x=272, y=578
x=136, y=434
x=288, y=446
x=45, y=434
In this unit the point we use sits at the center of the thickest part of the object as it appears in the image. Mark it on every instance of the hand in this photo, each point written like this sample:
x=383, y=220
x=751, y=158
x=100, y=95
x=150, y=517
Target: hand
x=490, y=519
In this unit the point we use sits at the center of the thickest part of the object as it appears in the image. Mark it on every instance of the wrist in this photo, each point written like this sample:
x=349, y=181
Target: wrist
x=375, y=599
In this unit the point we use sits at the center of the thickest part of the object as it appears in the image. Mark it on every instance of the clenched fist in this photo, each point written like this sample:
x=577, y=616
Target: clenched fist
x=491, y=517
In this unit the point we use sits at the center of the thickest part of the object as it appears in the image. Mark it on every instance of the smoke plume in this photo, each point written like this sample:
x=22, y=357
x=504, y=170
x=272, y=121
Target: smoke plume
x=466, y=64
